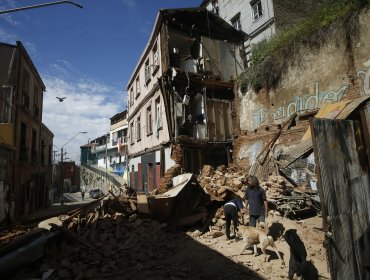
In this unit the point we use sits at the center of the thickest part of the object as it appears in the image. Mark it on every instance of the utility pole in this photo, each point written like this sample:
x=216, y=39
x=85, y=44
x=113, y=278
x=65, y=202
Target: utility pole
x=62, y=175
x=106, y=159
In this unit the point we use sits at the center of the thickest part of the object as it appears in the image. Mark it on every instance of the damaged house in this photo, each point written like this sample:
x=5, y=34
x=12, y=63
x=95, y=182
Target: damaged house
x=180, y=96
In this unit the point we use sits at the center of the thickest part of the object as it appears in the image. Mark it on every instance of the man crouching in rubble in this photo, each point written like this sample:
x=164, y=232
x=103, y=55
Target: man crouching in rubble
x=255, y=197
x=231, y=210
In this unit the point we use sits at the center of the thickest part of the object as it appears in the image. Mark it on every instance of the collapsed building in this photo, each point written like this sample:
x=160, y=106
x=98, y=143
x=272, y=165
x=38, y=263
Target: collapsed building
x=180, y=96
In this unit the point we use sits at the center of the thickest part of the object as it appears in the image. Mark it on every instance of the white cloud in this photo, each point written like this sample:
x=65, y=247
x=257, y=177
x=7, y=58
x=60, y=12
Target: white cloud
x=88, y=107
x=7, y=37
x=129, y=3
x=7, y=5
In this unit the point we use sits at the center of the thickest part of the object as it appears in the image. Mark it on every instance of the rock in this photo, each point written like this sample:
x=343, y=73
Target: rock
x=66, y=263
x=207, y=170
x=196, y=233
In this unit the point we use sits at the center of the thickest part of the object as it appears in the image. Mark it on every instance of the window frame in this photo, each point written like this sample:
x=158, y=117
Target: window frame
x=138, y=129
x=137, y=87
x=132, y=133
x=149, y=120
x=256, y=13
x=147, y=72
x=157, y=103
x=236, y=22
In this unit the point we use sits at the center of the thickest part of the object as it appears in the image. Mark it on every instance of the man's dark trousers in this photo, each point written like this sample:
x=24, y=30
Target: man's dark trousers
x=231, y=214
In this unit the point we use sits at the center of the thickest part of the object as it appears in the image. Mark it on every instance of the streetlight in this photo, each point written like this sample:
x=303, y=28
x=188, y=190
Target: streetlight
x=40, y=6
x=61, y=160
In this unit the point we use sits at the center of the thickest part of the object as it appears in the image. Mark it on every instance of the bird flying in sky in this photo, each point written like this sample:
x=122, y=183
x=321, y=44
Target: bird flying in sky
x=61, y=99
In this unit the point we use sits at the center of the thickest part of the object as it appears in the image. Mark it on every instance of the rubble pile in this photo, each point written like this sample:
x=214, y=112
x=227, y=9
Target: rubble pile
x=222, y=183
x=111, y=241
x=275, y=186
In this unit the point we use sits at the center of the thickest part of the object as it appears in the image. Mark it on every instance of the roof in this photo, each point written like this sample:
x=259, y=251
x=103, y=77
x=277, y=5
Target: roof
x=121, y=114
x=207, y=24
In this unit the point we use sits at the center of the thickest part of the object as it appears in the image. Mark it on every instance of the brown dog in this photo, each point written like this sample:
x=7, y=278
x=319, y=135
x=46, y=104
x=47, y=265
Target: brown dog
x=253, y=236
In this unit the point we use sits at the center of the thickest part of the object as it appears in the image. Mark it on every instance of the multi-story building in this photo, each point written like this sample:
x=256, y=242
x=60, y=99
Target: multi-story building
x=105, y=156
x=180, y=94
x=28, y=172
x=260, y=19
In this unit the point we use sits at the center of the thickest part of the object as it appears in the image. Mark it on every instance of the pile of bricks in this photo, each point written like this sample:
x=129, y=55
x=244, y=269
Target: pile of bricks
x=222, y=183
x=275, y=186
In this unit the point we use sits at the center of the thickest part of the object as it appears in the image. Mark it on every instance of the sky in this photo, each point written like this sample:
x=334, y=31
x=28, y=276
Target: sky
x=86, y=55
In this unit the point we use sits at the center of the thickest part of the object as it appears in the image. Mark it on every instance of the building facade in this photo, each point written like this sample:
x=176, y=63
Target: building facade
x=180, y=95
x=260, y=19
x=29, y=163
x=103, y=159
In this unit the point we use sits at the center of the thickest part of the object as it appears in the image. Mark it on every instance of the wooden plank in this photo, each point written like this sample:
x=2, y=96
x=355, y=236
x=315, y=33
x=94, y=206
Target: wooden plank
x=344, y=192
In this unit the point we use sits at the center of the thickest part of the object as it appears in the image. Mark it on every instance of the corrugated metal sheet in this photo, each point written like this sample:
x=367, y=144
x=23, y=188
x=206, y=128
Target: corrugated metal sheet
x=338, y=110
x=345, y=194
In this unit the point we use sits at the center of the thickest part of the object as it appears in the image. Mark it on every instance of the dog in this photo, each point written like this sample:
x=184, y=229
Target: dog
x=298, y=263
x=253, y=236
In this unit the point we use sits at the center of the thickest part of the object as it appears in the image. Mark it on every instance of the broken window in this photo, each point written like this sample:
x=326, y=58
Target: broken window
x=257, y=11
x=235, y=21
x=149, y=125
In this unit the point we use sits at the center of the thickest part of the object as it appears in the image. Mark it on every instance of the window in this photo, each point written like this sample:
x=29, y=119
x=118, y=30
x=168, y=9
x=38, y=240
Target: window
x=25, y=89
x=149, y=125
x=23, y=153
x=33, y=146
x=158, y=120
x=235, y=21
x=147, y=71
x=256, y=10
x=36, y=110
x=132, y=133
x=137, y=87
x=214, y=8
x=138, y=129
x=131, y=96
x=155, y=59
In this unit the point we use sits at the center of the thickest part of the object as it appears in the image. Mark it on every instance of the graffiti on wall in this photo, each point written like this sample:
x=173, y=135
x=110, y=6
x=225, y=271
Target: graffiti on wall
x=301, y=103
x=365, y=76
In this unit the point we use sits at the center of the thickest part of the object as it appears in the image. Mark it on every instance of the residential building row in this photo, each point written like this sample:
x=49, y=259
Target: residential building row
x=25, y=142
x=105, y=157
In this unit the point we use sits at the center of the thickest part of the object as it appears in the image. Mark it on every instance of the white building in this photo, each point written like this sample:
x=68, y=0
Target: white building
x=260, y=19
